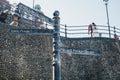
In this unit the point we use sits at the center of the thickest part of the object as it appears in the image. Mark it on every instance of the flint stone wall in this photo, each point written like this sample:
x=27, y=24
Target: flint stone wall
x=104, y=66
x=29, y=57
x=24, y=56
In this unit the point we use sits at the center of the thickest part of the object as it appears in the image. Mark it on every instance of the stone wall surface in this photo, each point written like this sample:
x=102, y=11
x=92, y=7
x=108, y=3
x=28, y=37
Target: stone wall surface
x=29, y=57
x=104, y=66
x=24, y=56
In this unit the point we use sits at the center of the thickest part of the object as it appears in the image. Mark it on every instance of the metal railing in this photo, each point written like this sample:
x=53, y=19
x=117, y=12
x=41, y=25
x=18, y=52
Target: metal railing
x=70, y=31
x=82, y=31
x=65, y=31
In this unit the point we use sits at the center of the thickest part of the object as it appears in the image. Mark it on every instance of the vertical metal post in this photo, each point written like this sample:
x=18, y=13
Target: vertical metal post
x=33, y=3
x=114, y=30
x=56, y=53
x=46, y=25
x=65, y=31
x=106, y=4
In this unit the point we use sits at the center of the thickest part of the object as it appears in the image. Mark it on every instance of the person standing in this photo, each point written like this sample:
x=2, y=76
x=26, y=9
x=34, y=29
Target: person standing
x=90, y=30
x=95, y=31
x=94, y=25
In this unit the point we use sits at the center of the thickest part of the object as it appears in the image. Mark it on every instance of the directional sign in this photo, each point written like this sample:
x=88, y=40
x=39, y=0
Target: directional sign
x=32, y=31
x=36, y=14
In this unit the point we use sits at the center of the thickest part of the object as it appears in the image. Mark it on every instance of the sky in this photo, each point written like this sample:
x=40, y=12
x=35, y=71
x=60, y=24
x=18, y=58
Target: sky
x=79, y=12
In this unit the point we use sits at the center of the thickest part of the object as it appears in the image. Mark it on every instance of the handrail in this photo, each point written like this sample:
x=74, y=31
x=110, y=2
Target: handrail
x=65, y=30
x=82, y=31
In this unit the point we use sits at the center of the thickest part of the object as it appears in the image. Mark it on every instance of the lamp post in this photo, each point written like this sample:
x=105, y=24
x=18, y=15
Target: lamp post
x=106, y=4
x=33, y=3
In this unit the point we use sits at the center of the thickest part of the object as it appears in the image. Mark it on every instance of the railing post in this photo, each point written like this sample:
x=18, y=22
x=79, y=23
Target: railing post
x=65, y=31
x=56, y=53
x=46, y=25
x=114, y=30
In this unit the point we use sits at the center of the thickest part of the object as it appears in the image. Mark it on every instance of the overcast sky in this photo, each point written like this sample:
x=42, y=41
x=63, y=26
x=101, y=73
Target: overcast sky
x=79, y=12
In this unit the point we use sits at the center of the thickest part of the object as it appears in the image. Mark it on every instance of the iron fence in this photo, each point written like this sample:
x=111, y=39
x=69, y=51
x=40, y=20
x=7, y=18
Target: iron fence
x=29, y=18
x=82, y=31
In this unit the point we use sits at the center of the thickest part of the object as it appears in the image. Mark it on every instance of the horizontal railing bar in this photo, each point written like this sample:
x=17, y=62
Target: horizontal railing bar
x=62, y=28
x=117, y=28
x=76, y=29
x=62, y=32
x=78, y=26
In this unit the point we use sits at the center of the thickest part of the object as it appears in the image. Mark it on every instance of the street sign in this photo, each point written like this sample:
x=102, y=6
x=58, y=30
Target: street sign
x=32, y=31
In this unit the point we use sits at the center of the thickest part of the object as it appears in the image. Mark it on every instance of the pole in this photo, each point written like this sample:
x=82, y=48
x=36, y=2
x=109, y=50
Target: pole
x=65, y=31
x=33, y=4
x=56, y=53
x=106, y=4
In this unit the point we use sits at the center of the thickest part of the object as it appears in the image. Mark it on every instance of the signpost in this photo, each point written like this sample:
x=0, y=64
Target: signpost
x=32, y=31
x=55, y=32
x=56, y=48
